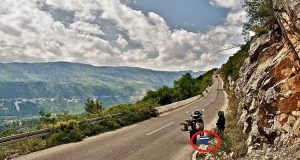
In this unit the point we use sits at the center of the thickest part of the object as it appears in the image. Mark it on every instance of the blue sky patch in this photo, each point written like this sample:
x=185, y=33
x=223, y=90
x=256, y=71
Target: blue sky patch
x=190, y=15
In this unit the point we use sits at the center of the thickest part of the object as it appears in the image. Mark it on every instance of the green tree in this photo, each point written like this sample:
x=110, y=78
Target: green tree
x=151, y=96
x=165, y=95
x=261, y=16
x=93, y=106
x=162, y=96
x=185, y=86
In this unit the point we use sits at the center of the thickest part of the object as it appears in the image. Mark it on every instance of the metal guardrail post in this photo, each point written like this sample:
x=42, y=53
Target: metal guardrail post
x=23, y=136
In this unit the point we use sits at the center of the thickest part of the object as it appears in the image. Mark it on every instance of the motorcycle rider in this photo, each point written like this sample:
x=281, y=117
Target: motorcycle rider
x=193, y=124
x=196, y=114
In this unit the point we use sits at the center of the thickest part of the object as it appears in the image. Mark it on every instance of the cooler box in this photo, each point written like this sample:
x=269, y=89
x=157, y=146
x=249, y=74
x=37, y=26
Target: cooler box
x=204, y=140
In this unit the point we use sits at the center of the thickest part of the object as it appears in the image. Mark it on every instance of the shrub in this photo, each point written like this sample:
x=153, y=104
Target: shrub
x=62, y=137
x=66, y=126
x=2, y=154
x=92, y=129
x=110, y=124
x=32, y=144
x=93, y=106
x=65, y=132
x=21, y=147
x=132, y=113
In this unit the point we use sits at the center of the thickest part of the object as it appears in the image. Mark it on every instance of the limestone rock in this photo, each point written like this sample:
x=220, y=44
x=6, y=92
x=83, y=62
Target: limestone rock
x=268, y=87
x=296, y=128
x=291, y=120
x=287, y=128
x=296, y=113
x=282, y=117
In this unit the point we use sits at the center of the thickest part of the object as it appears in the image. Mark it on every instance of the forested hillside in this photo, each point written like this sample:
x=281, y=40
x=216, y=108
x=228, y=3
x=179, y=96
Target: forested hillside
x=28, y=88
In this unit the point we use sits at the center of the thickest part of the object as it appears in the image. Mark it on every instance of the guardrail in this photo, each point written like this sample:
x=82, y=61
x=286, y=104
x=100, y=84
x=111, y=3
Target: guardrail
x=46, y=131
x=179, y=104
x=23, y=136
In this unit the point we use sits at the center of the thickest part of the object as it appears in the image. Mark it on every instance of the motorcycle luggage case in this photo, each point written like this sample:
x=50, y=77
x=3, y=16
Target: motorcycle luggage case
x=204, y=140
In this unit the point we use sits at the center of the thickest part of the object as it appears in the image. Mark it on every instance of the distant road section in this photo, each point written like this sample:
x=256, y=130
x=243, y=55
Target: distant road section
x=154, y=139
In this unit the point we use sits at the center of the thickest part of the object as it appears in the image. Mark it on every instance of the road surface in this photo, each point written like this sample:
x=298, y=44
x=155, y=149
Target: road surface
x=155, y=139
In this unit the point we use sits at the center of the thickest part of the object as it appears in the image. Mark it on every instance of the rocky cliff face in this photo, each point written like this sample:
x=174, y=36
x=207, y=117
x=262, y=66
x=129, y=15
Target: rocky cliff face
x=269, y=88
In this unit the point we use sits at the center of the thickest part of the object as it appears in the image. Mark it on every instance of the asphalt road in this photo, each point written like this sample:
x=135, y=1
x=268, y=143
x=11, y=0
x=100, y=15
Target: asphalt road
x=155, y=139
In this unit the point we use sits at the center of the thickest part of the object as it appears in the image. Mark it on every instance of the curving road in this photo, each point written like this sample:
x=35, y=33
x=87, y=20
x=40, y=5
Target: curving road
x=155, y=139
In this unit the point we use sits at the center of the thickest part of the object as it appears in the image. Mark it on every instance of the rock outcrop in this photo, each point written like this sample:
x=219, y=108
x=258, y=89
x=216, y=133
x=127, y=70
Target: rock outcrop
x=269, y=88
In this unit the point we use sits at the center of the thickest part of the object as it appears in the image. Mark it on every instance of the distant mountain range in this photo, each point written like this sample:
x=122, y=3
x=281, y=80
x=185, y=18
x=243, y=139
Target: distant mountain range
x=28, y=88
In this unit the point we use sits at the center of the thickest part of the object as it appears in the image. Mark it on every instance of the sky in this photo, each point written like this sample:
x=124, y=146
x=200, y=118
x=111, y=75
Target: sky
x=156, y=34
x=190, y=15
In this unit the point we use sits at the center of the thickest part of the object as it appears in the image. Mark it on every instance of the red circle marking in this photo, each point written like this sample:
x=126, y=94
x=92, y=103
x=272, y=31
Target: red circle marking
x=209, y=150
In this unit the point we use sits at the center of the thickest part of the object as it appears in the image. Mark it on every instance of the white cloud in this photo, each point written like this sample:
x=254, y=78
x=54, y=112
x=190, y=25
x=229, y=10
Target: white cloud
x=86, y=28
x=237, y=17
x=121, y=41
x=29, y=33
x=233, y=4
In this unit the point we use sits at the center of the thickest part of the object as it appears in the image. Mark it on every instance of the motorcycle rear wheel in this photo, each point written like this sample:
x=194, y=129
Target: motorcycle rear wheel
x=184, y=127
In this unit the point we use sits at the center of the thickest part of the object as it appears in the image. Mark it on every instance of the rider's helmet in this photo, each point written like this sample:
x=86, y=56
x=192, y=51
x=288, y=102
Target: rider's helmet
x=197, y=113
x=221, y=113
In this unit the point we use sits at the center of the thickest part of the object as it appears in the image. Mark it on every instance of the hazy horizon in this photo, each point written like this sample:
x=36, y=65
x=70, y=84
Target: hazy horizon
x=102, y=66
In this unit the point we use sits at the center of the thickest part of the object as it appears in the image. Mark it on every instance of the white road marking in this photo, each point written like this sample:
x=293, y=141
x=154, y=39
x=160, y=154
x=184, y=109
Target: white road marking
x=160, y=128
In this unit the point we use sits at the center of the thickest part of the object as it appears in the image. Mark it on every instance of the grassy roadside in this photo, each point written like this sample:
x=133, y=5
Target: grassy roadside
x=233, y=139
x=15, y=149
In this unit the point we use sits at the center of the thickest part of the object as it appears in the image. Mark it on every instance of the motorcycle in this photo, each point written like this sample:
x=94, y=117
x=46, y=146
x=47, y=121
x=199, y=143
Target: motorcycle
x=193, y=124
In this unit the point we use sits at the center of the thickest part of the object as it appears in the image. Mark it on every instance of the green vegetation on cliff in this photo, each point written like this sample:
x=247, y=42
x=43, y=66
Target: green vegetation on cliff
x=261, y=16
x=232, y=66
